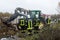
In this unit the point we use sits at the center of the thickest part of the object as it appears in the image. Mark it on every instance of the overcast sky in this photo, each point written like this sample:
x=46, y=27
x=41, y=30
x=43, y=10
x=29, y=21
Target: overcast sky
x=46, y=6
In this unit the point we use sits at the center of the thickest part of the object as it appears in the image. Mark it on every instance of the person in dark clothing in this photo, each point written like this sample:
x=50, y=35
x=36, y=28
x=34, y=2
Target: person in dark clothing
x=48, y=21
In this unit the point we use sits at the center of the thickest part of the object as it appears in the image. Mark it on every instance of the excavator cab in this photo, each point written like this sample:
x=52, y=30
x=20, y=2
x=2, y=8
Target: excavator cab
x=35, y=13
x=32, y=21
x=35, y=16
x=35, y=20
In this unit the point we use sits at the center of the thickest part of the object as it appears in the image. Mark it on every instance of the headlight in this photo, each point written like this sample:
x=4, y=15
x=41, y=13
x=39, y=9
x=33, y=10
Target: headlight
x=22, y=12
x=18, y=11
x=37, y=16
x=28, y=16
x=22, y=17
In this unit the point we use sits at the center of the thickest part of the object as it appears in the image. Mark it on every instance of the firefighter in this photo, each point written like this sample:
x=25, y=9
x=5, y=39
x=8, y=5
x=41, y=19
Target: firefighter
x=22, y=25
x=48, y=21
x=29, y=25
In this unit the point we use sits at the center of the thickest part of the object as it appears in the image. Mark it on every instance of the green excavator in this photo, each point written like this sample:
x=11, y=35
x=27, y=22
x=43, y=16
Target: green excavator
x=29, y=19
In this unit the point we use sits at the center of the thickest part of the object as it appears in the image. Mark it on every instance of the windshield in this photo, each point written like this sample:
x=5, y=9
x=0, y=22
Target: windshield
x=34, y=14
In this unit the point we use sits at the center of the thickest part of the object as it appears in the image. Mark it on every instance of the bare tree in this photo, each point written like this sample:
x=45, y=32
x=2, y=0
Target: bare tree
x=58, y=8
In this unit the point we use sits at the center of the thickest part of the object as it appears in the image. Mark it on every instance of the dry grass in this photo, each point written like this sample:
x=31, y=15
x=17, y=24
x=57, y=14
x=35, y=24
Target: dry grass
x=47, y=33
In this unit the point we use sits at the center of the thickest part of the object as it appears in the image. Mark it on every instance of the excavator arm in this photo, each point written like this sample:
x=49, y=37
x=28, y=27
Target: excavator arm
x=18, y=12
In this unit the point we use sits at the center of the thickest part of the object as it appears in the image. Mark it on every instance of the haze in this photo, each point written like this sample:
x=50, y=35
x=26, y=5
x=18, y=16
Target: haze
x=46, y=6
